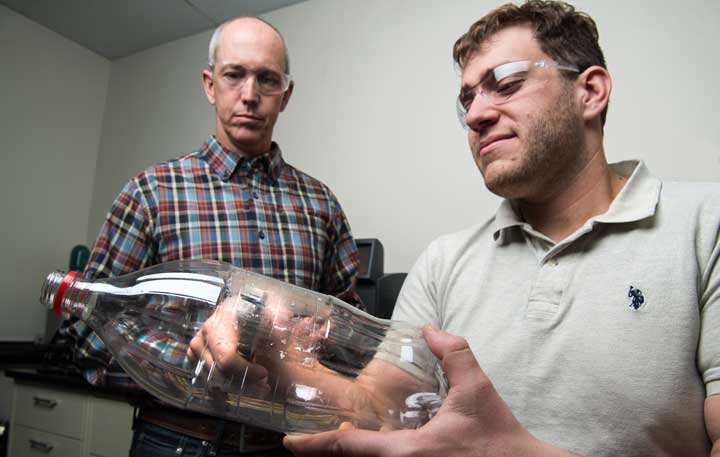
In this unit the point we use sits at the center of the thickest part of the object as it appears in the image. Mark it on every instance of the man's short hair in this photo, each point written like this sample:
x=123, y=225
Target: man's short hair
x=569, y=36
x=212, y=48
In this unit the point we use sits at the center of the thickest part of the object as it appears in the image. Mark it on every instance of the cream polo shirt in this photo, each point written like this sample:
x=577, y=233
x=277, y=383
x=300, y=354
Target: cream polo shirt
x=605, y=343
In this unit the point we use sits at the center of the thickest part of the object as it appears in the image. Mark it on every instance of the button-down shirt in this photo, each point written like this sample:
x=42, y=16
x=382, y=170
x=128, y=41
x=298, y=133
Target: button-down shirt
x=260, y=214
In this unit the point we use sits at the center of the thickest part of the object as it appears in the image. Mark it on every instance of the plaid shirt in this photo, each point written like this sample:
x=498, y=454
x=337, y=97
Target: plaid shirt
x=260, y=214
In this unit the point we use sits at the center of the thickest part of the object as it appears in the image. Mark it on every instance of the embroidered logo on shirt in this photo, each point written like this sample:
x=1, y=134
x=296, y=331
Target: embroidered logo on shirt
x=637, y=298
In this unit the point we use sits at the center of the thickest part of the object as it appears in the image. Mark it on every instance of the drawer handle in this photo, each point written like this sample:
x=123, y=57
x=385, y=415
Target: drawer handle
x=40, y=446
x=45, y=402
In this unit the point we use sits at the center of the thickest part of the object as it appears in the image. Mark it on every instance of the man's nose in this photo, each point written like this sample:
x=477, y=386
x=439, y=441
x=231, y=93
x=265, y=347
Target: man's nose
x=248, y=91
x=481, y=113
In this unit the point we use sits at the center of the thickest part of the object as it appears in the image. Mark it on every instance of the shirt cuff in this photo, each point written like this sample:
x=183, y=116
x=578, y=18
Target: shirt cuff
x=713, y=388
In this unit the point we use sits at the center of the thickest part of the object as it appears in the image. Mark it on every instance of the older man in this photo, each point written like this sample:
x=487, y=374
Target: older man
x=234, y=199
x=591, y=300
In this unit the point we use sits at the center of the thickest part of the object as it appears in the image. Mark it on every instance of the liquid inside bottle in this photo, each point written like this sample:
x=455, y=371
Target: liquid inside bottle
x=210, y=337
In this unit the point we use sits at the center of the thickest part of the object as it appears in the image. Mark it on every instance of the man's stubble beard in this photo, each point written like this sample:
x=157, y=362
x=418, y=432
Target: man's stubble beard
x=551, y=146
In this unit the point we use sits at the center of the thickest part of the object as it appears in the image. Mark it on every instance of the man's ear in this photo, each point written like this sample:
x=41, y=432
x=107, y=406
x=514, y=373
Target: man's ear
x=208, y=85
x=595, y=86
x=286, y=95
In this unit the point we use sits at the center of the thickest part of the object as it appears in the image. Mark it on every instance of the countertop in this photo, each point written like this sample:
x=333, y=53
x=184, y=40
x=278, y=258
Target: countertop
x=47, y=365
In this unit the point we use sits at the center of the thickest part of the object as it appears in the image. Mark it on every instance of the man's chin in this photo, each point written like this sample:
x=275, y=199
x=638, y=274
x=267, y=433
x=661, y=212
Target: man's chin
x=246, y=136
x=246, y=132
x=248, y=146
x=504, y=183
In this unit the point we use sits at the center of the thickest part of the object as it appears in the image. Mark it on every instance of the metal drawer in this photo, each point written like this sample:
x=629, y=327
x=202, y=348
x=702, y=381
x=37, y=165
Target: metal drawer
x=27, y=442
x=50, y=410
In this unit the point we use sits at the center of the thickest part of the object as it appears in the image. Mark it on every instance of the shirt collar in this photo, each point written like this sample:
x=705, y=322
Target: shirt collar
x=506, y=217
x=224, y=162
x=639, y=197
x=636, y=201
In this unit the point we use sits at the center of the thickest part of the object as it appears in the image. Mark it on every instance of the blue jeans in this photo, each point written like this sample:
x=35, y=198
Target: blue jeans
x=149, y=440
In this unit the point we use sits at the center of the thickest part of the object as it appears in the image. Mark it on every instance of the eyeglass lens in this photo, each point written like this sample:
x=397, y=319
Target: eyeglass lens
x=267, y=82
x=501, y=84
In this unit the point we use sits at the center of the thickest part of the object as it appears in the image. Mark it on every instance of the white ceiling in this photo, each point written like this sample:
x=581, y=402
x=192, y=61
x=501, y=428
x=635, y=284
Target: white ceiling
x=118, y=28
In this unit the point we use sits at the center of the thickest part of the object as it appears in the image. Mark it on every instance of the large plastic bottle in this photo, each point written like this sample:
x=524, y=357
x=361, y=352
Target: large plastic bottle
x=210, y=337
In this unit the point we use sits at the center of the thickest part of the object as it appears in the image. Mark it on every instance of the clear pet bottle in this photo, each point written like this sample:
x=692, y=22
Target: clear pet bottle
x=210, y=337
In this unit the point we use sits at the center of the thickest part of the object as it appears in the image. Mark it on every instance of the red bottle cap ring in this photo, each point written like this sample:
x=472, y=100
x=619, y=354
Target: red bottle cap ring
x=61, y=290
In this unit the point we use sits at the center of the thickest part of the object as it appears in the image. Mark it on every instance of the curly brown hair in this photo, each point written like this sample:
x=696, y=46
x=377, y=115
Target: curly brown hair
x=569, y=36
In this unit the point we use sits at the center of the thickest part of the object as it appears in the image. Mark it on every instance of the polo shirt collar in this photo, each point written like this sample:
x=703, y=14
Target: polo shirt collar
x=639, y=197
x=636, y=201
x=225, y=162
x=506, y=217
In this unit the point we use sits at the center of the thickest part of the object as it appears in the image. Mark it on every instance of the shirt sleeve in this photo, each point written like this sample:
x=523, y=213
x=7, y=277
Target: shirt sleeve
x=418, y=301
x=124, y=244
x=340, y=265
x=708, y=242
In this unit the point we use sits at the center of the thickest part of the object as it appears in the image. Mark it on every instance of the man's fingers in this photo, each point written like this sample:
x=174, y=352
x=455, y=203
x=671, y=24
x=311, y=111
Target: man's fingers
x=346, y=443
x=457, y=359
x=222, y=358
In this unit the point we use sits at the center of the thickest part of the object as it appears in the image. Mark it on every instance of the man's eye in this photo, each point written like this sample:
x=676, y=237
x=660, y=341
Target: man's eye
x=466, y=100
x=269, y=79
x=509, y=87
x=233, y=75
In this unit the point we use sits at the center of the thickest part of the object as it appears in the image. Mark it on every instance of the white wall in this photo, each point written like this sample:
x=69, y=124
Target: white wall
x=373, y=115
x=52, y=98
x=156, y=110
x=373, y=112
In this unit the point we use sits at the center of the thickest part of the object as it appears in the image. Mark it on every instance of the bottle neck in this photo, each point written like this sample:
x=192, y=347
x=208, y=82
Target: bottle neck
x=65, y=293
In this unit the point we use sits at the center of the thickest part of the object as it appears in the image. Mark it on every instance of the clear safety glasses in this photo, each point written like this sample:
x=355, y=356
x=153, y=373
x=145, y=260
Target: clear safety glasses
x=502, y=82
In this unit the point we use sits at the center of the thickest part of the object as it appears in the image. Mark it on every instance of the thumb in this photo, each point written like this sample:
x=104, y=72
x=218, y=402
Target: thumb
x=345, y=443
x=455, y=355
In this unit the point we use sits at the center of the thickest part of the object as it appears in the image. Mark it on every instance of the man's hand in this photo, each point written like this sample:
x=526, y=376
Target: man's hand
x=255, y=346
x=214, y=349
x=473, y=420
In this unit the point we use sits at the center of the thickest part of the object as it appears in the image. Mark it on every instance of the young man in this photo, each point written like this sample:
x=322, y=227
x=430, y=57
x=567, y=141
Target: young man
x=235, y=200
x=591, y=300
